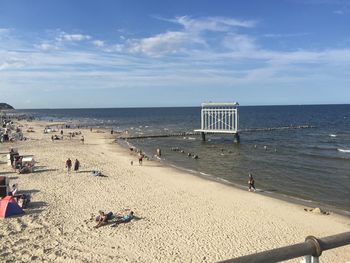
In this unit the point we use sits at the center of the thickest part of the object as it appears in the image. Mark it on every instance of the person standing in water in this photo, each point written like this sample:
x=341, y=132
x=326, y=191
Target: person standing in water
x=251, y=183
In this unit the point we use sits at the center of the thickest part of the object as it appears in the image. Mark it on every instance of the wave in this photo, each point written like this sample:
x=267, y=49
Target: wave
x=328, y=157
x=343, y=150
x=333, y=135
x=319, y=147
x=189, y=138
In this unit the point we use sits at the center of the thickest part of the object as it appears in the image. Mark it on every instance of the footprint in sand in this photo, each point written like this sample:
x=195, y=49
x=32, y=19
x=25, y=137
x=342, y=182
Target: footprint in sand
x=20, y=241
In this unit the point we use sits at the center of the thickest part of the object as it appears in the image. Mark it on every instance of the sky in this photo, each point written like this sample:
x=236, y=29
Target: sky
x=155, y=53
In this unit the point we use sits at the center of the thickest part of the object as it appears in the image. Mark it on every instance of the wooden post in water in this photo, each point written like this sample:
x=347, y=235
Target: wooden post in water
x=236, y=138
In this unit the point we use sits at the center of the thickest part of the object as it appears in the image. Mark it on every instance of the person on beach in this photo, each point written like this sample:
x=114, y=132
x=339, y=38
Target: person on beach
x=82, y=139
x=251, y=183
x=140, y=158
x=12, y=158
x=68, y=165
x=76, y=165
x=14, y=189
x=124, y=219
x=103, y=218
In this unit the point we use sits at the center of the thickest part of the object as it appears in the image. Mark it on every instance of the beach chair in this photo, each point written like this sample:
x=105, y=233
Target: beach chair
x=4, y=186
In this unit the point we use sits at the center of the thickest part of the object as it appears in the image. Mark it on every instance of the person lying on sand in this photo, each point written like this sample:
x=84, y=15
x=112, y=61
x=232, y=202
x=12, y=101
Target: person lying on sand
x=124, y=219
x=103, y=218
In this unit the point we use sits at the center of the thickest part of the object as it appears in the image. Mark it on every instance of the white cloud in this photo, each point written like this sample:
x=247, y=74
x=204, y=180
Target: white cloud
x=239, y=43
x=72, y=37
x=98, y=43
x=341, y=12
x=4, y=31
x=167, y=43
x=213, y=51
x=46, y=47
x=211, y=23
x=11, y=63
x=190, y=37
x=270, y=35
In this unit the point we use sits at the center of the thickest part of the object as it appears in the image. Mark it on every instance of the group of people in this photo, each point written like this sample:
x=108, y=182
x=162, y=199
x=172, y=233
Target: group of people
x=18, y=163
x=71, y=134
x=69, y=165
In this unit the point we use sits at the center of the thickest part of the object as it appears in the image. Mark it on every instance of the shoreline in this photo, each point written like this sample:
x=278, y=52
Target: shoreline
x=294, y=193
x=279, y=196
x=183, y=218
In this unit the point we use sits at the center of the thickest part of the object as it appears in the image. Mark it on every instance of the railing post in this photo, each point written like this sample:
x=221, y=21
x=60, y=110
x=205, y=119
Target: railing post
x=307, y=259
x=316, y=244
x=318, y=249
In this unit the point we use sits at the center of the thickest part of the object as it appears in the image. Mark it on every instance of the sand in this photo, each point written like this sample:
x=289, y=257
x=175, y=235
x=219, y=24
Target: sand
x=182, y=217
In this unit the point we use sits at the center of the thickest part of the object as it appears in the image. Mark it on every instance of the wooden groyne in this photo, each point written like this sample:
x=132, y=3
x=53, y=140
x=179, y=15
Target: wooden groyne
x=179, y=134
x=278, y=128
x=184, y=134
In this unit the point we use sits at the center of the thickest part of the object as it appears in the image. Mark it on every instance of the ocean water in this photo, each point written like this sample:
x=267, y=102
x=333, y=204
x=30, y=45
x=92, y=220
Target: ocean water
x=309, y=164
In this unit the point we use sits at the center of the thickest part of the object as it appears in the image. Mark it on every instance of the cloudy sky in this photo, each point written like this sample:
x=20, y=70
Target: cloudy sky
x=89, y=53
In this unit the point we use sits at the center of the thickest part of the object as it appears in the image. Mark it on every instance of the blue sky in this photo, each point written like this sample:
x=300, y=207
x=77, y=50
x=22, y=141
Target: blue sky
x=81, y=53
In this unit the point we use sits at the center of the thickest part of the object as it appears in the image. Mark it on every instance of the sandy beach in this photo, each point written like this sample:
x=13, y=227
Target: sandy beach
x=181, y=217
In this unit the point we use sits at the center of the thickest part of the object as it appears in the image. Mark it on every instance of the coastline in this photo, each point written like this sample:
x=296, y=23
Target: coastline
x=183, y=217
x=309, y=204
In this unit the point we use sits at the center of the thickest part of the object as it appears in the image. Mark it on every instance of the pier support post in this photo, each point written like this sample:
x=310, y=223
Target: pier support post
x=203, y=136
x=236, y=138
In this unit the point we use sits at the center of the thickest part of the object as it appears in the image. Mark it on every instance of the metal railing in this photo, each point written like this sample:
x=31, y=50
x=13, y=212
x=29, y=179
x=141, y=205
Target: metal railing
x=311, y=249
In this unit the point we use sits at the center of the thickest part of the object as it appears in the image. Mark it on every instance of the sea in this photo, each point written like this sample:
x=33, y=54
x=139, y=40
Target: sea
x=310, y=165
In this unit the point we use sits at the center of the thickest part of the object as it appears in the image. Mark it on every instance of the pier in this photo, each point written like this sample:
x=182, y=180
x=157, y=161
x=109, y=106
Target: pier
x=219, y=118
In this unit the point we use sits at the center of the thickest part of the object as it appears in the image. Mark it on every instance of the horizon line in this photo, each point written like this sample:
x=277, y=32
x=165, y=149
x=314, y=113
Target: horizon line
x=199, y=106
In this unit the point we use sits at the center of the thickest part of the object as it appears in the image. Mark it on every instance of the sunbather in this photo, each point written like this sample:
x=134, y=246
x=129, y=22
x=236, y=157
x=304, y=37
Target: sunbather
x=23, y=200
x=124, y=219
x=103, y=218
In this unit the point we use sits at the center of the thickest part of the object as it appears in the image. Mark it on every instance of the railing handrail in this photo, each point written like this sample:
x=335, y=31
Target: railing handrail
x=312, y=246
